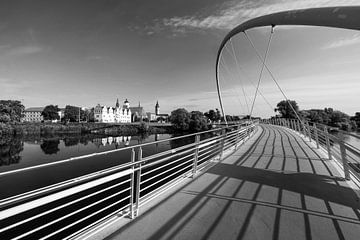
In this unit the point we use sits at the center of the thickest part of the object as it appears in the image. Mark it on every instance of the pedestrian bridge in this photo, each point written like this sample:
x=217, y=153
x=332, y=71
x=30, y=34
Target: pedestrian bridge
x=278, y=185
x=274, y=180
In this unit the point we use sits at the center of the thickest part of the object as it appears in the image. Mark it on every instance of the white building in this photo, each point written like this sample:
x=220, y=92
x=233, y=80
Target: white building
x=113, y=115
x=33, y=114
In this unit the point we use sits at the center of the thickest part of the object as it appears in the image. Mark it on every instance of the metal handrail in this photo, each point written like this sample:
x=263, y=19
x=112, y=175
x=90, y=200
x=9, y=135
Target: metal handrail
x=138, y=181
x=333, y=145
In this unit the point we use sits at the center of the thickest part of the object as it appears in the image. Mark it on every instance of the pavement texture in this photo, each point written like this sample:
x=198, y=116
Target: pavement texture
x=275, y=186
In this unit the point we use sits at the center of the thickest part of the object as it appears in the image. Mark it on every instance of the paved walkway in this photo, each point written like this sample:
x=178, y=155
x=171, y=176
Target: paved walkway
x=276, y=186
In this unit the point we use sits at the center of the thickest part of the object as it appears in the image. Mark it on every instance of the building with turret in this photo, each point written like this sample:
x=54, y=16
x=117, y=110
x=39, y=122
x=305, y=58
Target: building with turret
x=157, y=116
x=118, y=114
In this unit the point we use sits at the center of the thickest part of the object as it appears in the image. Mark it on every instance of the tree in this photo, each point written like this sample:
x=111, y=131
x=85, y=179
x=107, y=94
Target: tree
x=51, y=112
x=218, y=115
x=180, y=119
x=211, y=114
x=11, y=111
x=72, y=113
x=198, y=122
x=285, y=109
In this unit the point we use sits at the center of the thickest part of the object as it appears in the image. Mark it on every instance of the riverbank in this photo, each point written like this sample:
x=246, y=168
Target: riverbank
x=46, y=129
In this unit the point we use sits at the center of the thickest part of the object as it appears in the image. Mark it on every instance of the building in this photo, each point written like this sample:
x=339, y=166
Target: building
x=138, y=113
x=33, y=114
x=113, y=115
x=157, y=116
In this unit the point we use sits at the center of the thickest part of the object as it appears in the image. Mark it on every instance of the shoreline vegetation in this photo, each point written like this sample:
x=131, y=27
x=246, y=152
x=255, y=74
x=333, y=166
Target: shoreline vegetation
x=54, y=129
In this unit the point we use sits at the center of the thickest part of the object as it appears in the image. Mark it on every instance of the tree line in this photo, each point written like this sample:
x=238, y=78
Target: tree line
x=327, y=116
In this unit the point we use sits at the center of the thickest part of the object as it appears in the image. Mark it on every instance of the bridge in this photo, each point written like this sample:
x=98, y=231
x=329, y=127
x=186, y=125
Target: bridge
x=271, y=180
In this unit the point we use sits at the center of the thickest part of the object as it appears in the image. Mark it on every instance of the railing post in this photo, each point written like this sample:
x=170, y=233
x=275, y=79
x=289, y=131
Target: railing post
x=132, y=184
x=308, y=130
x=298, y=126
x=237, y=137
x=138, y=180
x=303, y=129
x=292, y=124
x=196, y=154
x=343, y=156
x=327, y=142
x=316, y=136
x=223, y=134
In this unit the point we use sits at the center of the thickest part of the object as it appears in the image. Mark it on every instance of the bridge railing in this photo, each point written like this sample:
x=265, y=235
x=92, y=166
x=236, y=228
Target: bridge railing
x=334, y=145
x=77, y=206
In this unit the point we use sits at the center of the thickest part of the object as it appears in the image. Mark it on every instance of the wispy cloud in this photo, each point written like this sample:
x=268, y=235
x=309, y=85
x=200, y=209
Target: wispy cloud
x=231, y=14
x=355, y=39
x=24, y=50
x=8, y=50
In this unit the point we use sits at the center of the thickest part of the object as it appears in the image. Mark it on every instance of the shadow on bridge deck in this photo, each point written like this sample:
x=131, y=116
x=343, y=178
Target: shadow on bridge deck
x=276, y=186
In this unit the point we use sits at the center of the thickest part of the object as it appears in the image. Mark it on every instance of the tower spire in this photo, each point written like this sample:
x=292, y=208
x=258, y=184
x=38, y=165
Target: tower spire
x=117, y=103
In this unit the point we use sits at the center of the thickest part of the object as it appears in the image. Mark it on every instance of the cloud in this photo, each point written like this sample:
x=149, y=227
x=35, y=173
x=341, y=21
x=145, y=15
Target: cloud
x=19, y=51
x=234, y=13
x=24, y=50
x=355, y=39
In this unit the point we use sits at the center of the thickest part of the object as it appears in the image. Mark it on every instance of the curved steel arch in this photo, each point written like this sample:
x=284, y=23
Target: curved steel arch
x=336, y=17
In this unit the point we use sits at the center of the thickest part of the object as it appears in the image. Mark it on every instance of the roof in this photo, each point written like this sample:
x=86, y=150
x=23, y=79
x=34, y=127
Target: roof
x=138, y=110
x=34, y=109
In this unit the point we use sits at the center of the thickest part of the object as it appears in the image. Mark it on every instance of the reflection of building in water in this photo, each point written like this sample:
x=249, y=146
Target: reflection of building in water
x=112, y=140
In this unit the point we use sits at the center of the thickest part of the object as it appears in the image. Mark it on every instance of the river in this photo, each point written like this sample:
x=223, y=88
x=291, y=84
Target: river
x=19, y=153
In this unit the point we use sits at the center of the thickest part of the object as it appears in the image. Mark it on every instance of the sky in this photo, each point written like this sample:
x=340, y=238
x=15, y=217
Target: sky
x=85, y=52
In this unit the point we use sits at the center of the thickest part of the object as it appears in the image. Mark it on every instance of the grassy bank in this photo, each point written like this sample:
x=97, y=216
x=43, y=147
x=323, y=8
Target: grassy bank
x=44, y=129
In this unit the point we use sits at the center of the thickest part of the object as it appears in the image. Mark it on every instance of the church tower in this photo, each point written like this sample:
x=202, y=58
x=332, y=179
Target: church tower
x=126, y=104
x=157, y=108
x=117, y=105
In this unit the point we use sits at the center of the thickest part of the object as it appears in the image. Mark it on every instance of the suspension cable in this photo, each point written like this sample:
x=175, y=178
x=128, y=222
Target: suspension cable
x=271, y=74
x=240, y=70
x=223, y=63
x=262, y=68
x=237, y=67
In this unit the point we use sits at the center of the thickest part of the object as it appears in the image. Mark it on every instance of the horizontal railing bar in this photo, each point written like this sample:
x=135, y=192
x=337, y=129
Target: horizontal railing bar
x=168, y=158
x=72, y=213
x=147, y=187
x=151, y=195
x=167, y=152
x=50, y=198
x=169, y=163
x=62, y=206
x=214, y=144
x=98, y=221
x=145, y=181
x=64, y=184
x=92, y=214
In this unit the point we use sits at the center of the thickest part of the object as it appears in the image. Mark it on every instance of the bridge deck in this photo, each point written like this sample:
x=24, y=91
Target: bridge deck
x=276, y=186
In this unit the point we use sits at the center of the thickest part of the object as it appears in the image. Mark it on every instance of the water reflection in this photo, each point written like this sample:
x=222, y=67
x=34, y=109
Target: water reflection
x=50, y=146
x=117, y=141
x=10, y=149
